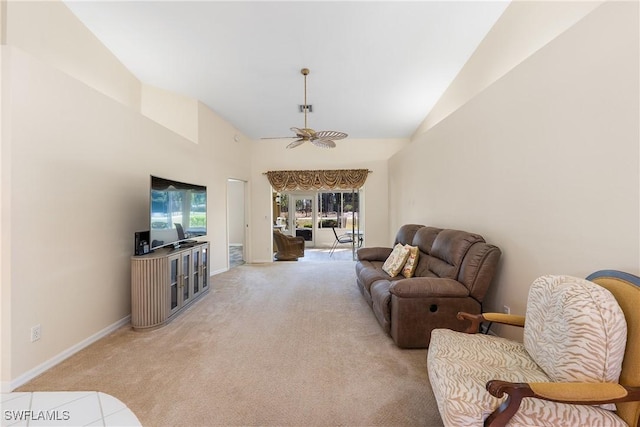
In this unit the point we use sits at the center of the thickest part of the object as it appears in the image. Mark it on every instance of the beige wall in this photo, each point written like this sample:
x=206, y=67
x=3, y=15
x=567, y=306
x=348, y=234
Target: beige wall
x=75, y=164
x=544, y=162
x=524, y=27
x=48, y=30
x=173, y=111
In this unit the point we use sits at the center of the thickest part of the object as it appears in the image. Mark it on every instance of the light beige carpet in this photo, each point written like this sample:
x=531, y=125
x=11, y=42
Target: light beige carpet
x=287, y=344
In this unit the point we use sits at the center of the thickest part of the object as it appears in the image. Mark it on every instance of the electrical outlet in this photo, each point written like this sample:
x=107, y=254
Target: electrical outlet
x=506, y=309
x=36, y=333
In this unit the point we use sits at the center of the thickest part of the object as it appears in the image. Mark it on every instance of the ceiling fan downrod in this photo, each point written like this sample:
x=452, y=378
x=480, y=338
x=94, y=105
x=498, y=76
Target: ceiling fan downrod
x=305, y=73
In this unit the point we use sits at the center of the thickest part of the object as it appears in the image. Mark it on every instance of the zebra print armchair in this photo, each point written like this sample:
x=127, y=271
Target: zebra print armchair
x=579, y=362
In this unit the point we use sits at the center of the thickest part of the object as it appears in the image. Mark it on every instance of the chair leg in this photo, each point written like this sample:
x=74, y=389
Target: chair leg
x=333, y=248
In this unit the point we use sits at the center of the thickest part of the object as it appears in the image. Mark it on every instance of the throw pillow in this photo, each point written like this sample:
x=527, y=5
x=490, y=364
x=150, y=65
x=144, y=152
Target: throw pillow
x=412, y=261
x=396, y=260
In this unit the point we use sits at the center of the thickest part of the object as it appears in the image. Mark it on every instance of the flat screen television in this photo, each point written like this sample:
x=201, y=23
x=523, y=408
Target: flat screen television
x=177, y=212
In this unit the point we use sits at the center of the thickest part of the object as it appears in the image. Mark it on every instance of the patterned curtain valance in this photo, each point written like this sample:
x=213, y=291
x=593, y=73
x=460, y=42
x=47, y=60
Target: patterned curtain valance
x=339, y=179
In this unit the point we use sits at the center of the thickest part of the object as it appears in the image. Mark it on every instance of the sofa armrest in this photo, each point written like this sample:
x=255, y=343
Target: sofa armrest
x=574, y=393
x=374, y=254
x=423, y=287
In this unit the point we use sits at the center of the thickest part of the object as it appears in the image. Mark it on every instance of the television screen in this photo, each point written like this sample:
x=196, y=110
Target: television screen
x=178, y=211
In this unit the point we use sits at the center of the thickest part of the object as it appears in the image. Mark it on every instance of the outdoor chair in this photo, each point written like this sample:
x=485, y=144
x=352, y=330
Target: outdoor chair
x=343, y=238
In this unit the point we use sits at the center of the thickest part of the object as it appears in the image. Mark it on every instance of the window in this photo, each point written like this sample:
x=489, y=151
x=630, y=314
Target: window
x=337, y=209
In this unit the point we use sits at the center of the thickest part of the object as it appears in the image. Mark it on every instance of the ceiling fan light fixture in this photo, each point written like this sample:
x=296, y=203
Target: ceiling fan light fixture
x=322, y=139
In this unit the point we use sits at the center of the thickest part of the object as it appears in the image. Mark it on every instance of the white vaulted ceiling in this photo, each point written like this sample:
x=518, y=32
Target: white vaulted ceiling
x=377, y=68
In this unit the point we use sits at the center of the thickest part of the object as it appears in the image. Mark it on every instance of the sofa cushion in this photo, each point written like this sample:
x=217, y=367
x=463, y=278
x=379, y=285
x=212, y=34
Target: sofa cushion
x=449, y=249
x=380, y=298
x=412, y=261
x=396, y=260
x=575, y=330
x=406, y=232
x=425, y=237
x=370, y=272
x=459, y=365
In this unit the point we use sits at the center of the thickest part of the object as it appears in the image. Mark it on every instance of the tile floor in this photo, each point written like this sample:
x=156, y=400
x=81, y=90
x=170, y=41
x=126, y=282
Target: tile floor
x=77, y=408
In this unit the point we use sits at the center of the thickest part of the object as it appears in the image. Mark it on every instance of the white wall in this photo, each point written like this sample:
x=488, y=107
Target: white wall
x=544, y=162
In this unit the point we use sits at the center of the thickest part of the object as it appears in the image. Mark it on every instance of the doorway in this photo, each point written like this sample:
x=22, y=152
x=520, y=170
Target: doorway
x=320, y=216
x=236, y=223
x=301, y=223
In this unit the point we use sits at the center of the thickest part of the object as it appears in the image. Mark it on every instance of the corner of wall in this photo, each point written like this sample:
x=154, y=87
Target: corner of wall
x=523, y=28
x=175, y=112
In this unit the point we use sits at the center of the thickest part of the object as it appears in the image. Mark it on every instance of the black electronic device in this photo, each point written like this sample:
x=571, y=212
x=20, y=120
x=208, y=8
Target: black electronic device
x=177, y=212
x=141, y=243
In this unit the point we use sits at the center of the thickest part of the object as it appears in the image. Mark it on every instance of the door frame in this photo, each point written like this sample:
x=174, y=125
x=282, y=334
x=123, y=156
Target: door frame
x=292, y=220
x=237, y=209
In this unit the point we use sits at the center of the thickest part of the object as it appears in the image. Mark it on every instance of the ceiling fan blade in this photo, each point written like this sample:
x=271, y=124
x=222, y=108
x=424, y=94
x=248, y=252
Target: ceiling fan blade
x=323, y=143
x=295, y=143
x=330, y=134
x=303, y=133
x=279, y=137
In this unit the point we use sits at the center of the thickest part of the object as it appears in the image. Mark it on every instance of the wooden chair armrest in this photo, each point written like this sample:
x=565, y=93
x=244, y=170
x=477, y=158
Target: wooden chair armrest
x=572, y=393
x=476, y=319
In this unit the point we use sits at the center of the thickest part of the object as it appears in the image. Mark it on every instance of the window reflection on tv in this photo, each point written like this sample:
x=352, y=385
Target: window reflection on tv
x=178, y=211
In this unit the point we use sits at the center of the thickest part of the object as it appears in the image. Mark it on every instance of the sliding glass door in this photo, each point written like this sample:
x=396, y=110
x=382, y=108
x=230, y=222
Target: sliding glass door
x=315, y=215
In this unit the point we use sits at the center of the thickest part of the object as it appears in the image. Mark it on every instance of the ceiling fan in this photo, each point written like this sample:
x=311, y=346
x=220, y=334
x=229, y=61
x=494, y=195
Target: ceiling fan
x=323, y=138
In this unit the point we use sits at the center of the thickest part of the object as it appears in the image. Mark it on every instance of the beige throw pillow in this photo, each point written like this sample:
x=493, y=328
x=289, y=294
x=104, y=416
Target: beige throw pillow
x=396, y=260
x=412, y=261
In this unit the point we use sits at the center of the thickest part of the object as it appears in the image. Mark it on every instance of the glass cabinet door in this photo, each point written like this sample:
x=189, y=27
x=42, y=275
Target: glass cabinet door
x=205, y=267
x=186, y=277
x=196, y=271
x=173, y=283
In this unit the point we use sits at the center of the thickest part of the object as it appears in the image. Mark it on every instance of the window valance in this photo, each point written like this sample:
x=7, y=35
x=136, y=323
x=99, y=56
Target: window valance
x=338, y=179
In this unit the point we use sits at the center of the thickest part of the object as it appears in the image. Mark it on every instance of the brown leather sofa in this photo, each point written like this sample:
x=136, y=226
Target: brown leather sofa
x=288, y=248
x=454, y=271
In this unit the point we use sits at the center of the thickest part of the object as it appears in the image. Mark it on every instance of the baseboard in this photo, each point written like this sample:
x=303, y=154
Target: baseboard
x=31, y=374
